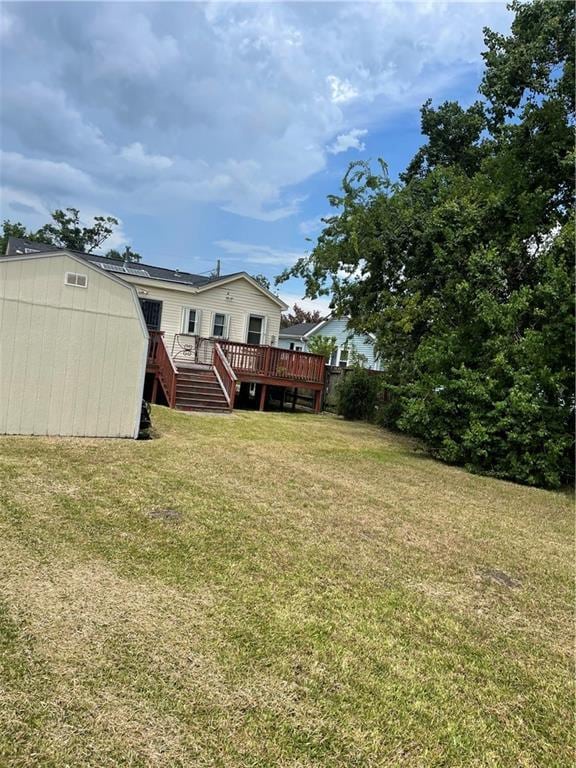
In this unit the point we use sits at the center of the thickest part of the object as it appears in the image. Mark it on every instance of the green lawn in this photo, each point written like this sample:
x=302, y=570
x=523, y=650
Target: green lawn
x=321, y=594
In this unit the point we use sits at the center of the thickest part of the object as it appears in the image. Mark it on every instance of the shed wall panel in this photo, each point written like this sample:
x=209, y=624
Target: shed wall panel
x=71, y=359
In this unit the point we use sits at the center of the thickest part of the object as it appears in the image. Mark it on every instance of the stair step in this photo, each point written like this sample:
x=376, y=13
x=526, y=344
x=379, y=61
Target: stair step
x=199, y=390
x=185, y=377
x=207, y=386
x=200, y=399
x=207, y=408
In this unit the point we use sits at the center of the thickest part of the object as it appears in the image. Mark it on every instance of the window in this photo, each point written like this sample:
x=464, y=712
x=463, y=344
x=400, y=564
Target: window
x=220, y=325
x=298, y=349
x=334, y=358
x=344, y=358
x=255, y=329
x=75, y=279
x=152, y=311
x=191, y=321
x=291, y=345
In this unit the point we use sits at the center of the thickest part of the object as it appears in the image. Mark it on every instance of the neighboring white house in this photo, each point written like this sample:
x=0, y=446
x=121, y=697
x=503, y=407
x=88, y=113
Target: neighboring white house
x=73, y=348
x=296, y=337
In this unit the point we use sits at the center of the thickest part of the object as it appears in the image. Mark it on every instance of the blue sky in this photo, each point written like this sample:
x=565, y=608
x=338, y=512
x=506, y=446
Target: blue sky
x=216, y=130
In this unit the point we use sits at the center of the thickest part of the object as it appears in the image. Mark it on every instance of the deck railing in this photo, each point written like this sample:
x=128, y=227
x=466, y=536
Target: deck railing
x=273, y=362
x=231, y=359
x=225, y=374
x=159, y=359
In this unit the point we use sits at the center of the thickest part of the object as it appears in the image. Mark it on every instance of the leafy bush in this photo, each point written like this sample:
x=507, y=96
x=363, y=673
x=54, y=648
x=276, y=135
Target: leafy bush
x=322, y=345
x=356, y=395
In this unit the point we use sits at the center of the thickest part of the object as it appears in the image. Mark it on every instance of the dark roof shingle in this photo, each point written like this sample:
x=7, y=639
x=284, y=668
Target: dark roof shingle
x=301, y=329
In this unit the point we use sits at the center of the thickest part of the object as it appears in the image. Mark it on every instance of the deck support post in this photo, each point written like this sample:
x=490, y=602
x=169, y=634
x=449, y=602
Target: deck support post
x=154, y=394
x=263, y=396
x=294, y=398
x=317, y=400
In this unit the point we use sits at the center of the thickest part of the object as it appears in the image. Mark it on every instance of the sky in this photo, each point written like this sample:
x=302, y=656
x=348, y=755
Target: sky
x=216, y=130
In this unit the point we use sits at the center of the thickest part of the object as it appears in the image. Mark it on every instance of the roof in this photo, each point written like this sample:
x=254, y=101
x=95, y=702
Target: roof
x=301, y=329
x=21, y=246
x=18, y=245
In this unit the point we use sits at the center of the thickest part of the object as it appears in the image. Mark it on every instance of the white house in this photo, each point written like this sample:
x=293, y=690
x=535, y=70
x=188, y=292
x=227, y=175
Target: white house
x=210, y=336
x=296, y=337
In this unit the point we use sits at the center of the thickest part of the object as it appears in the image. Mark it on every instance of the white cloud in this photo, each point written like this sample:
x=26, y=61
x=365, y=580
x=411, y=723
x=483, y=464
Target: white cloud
x=321, y=305
x=136, y=154
x=7, y=23
x=259, y=254
x=155, y=107
x=341, y=91
x=22, y=172
x=131, y=48
x=346, y=141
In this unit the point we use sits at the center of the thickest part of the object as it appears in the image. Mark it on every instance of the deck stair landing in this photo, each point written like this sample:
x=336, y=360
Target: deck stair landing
x=198, y=389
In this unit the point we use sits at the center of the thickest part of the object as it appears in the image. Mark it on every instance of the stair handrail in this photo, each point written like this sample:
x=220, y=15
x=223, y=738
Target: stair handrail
x=225, y=374
x=167, y=371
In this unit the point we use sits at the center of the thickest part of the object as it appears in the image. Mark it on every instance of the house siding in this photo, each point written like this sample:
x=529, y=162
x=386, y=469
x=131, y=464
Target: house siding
x=344, y=337
x=245, y=300
x=72, y=360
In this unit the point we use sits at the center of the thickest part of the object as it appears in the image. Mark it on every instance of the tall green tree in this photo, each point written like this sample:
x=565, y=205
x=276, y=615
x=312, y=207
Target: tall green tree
x=126, y=255
x=12, y=229
x=464, y=269
x=66, y=230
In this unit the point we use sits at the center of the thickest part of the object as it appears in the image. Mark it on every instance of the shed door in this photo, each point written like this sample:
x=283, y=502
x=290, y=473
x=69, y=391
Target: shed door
x=152, y=311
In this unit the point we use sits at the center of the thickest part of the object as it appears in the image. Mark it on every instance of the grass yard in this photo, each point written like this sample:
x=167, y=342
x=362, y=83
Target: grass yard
x=278, y=590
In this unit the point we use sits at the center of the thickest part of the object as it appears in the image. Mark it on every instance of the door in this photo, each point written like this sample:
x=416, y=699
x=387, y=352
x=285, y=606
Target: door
x=255, y=329
x=152, y=311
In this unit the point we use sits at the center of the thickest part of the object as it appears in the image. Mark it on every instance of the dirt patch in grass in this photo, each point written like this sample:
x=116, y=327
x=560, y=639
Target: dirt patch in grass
x=493, y=574
x=165, y=514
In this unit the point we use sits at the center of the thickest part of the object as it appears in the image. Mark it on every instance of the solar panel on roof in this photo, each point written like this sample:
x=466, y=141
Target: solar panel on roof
x=124, y=270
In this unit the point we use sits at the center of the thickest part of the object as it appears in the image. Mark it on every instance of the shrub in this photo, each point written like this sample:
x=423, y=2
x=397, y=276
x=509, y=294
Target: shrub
x=356, y=394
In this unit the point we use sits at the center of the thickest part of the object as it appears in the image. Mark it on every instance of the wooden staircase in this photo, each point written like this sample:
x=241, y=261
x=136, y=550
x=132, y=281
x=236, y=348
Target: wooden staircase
x=199, y=390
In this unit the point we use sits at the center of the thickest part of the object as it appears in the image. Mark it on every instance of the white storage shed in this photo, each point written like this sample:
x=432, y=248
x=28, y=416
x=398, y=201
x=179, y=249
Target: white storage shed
x=73, y=348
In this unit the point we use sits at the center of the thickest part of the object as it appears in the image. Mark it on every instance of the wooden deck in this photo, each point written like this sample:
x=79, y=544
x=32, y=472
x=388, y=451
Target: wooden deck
x=233, y=362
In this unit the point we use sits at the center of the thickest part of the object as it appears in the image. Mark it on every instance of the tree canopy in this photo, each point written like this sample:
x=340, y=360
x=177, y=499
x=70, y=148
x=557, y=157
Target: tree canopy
x=263, y=281
x=463, y=269
x=66, y=230
x=126, y=255
x=298, y=315
x=322, y=345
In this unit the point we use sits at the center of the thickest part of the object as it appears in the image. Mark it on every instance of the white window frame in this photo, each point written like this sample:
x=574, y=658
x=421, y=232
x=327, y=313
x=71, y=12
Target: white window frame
x=264, y=327
x=186, y=321
x=71, y=279
x=226, y=325
x=340, y=350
